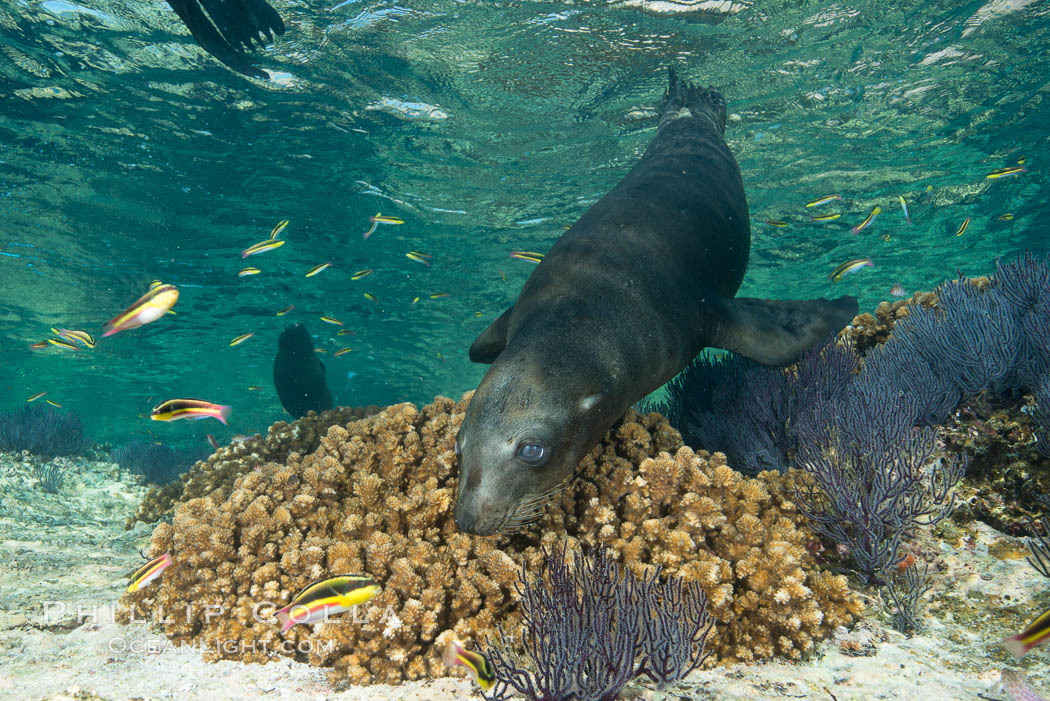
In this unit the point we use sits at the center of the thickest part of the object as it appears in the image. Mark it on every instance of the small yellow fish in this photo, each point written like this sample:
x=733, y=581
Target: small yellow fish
x=320, y=350
x=245, y=272
x=439, y=295
x=1021, y=160
x=370, y=296
x=146, y=309
x=776, y=222
x=342, y=351
x=849, y=267
x=419, y=257
x=345, y=332
x=476, y=664
x=262, y=247
x=1004, y=172
x=36, y=396
x=477, y=313
x=904, y=206
x=240, y=339
x=175, y=409
x=150, y=571
x=62, y=343
x=502, y=276
x=1006, y=217
x=317, y=269
x=38, y=345
x=278, y=229
x=415, y=299
x=331, y=320
x=823, y=200
x=282, y=312
x=963, y=227
x=826, y=217
x=530, y=256
x=377, y=220
x=867, y=222
x=253, y=388
x=54, y=404
x=81, y=336
x=361, y=273
x=155, y=283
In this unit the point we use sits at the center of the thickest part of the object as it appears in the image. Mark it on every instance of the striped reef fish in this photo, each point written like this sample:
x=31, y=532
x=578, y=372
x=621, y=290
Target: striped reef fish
x=327, y=597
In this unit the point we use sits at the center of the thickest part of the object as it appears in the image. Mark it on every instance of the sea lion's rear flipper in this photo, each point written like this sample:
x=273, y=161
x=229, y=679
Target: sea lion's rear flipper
x=491, y=342
x=778, y=332
x=235, y=24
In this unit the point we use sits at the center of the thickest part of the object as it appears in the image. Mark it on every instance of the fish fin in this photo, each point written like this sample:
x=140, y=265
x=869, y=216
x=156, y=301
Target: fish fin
x=491, y=342
x=1015, y=647
x=778, y=332
x=224, y=411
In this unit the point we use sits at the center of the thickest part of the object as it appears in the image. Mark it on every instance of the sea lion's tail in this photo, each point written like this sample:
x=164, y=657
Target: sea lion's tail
x=683, y=99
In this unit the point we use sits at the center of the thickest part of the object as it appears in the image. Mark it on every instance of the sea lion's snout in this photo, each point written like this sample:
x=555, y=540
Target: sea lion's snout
x=509, y=469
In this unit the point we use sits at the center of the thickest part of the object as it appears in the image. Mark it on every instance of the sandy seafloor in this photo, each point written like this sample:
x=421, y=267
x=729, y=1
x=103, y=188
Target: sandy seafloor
x=71, y=547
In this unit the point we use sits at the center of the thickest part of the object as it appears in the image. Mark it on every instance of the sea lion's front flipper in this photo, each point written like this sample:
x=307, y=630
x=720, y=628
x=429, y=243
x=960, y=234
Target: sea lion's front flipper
x=778, y=332
x=491, y=342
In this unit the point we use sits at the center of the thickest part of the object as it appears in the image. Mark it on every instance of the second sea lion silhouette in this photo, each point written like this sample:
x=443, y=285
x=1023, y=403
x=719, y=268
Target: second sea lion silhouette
x=298, y=374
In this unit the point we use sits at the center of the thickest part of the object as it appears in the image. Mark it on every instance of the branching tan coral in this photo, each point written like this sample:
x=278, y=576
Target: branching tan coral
x=218, y=471
x=376, y=496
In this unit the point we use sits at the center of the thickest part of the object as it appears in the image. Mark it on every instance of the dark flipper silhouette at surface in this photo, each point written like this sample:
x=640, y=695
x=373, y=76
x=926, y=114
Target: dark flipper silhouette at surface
x=232, y=26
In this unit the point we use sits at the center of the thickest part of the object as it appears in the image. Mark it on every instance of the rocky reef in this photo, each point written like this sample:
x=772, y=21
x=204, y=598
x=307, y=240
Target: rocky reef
x=375, y=495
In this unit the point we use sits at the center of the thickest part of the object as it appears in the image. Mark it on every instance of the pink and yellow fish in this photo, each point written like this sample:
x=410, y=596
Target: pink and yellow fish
x=475, y=663
x=530, y=256
x=377, y=220
x=1037, y=633
x=867, y=222
x=262, y=247
x=146, y=309
x=275, y=232
x=327, y=597
x=150, y=571
x=175, y=409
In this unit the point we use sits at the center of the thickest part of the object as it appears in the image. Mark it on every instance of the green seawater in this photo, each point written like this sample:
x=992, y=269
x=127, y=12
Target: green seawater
x=127, y=154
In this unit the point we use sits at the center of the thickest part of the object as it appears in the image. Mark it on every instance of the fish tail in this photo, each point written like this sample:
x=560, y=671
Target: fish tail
x=224, y=411
x=1015, y=646
x=683, y=99
x=285, y=620
x=450, y=654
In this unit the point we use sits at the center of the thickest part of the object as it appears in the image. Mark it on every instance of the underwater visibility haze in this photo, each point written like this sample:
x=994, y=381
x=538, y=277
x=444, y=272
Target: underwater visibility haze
x=377, y=183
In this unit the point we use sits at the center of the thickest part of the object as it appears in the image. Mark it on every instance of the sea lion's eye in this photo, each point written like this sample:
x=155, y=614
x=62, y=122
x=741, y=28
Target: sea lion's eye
x=532, y=453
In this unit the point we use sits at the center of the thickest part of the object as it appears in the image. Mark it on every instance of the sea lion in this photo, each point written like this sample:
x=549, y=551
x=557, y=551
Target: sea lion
x=298, y=374
x=622, y=302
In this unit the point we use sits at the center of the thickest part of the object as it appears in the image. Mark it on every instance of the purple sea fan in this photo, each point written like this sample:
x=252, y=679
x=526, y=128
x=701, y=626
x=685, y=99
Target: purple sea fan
x=42, y=431
x=591, y=628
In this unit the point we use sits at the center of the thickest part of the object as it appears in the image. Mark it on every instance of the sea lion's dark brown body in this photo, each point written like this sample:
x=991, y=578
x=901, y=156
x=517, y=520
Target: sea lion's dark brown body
x=622, y=303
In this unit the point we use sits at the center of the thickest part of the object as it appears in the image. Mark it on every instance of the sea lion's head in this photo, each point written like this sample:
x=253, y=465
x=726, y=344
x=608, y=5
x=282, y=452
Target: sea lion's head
x=522, y=437
x=295, y=339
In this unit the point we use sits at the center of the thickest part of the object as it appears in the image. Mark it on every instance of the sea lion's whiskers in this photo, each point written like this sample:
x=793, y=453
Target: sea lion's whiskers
x=530, y=510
